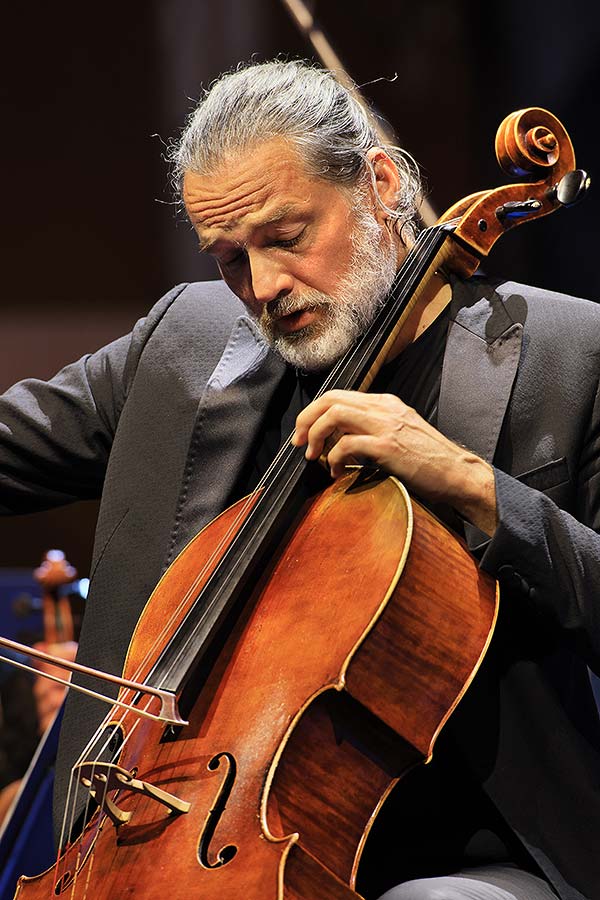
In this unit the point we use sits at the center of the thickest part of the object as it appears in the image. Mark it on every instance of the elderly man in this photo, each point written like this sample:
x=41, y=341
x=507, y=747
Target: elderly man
x=487, y=406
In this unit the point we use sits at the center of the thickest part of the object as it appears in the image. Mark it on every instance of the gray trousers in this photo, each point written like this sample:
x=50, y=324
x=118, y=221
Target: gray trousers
x=501, y=882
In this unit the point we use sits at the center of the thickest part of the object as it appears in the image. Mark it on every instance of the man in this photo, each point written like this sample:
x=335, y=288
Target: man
x=308, y=217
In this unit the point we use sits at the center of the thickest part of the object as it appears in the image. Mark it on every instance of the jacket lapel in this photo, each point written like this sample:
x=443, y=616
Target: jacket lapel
x=479, y=369
x=230, y=412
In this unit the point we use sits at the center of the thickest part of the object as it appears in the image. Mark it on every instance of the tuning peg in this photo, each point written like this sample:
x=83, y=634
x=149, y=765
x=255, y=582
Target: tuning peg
x=571, y=188
x=517, y=209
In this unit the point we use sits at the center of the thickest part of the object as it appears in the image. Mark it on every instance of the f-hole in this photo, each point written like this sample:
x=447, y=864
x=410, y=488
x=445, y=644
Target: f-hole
x=225, y=854
x=64, y=882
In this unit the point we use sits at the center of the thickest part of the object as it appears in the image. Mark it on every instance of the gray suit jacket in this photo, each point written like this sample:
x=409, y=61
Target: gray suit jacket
x=160, y=422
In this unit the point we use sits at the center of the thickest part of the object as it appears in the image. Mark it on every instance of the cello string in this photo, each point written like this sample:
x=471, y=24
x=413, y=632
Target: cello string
x=104, y=726
x=389, y=310
x=244, y=522
x=414, y=260
x=74, y=786
x=404, y=275
x=406, y=272
x=72, y=803
x=402, y=279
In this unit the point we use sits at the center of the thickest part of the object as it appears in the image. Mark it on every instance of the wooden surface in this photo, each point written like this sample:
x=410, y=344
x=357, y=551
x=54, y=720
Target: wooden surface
x=304, y=764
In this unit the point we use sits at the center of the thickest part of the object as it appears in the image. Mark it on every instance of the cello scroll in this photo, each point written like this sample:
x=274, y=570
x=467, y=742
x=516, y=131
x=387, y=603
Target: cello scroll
x=531, y=144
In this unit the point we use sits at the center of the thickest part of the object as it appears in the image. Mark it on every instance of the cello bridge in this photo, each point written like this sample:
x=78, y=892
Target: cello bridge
x=99, y=778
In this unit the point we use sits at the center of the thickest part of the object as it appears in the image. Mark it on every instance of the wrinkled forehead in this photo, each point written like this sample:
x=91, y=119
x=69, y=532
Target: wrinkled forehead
x=270, y=179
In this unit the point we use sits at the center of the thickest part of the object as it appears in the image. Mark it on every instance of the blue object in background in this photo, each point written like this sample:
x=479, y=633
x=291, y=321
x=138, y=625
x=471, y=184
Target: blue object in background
x=26, y=837
x=20, y=604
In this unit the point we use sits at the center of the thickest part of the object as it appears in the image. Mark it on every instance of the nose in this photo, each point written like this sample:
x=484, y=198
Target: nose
x=268, y=277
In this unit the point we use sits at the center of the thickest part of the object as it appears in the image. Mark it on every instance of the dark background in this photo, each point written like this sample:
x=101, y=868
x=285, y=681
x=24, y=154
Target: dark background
x=90, y=96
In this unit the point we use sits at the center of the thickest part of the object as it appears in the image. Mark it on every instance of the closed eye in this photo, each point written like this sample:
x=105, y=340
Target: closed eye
x=290, y=242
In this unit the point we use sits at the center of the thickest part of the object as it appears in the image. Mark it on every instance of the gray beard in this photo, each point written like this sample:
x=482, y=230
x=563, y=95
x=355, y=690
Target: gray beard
x=344, y=316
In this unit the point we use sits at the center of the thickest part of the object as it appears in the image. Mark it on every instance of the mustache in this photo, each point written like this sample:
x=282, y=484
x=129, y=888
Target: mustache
x=285, y=306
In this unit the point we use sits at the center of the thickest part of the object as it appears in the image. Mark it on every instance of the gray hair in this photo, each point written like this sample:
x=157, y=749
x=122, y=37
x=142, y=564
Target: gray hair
x=324, y=121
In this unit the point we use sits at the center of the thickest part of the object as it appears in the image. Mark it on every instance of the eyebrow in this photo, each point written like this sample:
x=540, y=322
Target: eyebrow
x=277, y=216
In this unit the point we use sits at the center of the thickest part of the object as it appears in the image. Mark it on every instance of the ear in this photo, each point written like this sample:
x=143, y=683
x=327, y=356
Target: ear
x=387, y=180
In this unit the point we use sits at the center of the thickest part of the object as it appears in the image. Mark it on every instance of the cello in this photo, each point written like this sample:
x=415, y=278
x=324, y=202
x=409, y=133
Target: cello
x=271, y=785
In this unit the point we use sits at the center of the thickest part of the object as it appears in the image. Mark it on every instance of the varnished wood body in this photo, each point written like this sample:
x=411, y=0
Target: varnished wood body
x=312, y=710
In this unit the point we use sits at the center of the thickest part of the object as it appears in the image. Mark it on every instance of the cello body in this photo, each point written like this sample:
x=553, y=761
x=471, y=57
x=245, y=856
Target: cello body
x=350, y=654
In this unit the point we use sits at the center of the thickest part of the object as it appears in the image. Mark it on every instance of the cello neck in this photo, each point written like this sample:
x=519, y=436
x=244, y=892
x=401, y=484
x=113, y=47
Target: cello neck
x=290, y=481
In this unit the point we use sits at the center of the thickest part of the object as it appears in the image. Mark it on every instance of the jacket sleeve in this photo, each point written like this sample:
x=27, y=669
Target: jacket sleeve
x=552, y=557
x=56, y=435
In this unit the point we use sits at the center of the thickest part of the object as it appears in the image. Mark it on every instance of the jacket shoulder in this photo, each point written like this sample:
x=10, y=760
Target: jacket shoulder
x=551, y=301
x=205, y=301
x=490, y=307
x=195, y=318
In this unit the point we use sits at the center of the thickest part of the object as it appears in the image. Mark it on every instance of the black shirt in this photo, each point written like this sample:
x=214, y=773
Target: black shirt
x=415, y=374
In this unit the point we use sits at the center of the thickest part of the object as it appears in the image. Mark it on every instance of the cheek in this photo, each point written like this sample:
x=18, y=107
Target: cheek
x=323, y=268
